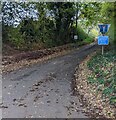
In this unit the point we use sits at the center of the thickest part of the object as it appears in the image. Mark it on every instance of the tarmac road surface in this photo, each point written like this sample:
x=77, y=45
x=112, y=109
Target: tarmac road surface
x=44, y=90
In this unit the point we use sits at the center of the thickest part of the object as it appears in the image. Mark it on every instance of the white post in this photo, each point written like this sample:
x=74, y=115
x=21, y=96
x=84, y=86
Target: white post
x=102, y=49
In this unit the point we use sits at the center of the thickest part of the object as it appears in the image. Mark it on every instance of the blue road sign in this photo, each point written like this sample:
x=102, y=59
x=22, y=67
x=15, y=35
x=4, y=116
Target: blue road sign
x=103, y=40
x=104, y=28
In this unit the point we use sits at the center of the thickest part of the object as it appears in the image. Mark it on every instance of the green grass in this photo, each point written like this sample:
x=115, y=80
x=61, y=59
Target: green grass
x=88, y=40
x=83, y=37
x=81, y=34
x=104, y=73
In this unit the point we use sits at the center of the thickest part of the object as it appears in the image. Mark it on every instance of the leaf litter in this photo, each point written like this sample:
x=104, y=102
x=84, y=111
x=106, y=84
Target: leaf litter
x=92, y=101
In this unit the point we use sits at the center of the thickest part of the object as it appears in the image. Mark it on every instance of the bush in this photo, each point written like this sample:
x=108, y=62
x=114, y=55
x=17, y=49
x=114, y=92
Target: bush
x=81, y=34
x=12, y=36
x=88, y=40
x=112, y=32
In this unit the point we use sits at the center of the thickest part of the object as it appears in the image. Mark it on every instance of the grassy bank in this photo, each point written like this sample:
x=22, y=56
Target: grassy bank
x=104, y=75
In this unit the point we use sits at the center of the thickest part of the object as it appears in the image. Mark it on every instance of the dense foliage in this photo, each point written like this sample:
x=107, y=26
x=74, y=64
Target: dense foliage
x=26, y=25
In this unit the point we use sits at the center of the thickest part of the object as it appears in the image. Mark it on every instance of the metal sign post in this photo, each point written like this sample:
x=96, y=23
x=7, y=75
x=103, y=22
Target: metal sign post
x=102, y=49
x=103, y=40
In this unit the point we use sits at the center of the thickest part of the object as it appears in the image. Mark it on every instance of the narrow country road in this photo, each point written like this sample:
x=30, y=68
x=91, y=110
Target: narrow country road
x=44, y=90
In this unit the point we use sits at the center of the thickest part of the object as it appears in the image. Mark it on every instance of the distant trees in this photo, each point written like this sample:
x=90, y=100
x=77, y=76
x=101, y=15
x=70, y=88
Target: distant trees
x=14, y=16
x=63, y=20
x=49, y=24
x=108, y=12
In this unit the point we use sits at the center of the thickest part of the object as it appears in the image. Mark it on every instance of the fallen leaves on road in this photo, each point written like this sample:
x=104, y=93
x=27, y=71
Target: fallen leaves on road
x=3, y=106
x=22, y=104
x=19, y=103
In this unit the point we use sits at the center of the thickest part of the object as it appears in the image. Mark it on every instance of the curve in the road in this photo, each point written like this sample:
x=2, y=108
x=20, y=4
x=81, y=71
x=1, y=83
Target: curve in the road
x=44, y=90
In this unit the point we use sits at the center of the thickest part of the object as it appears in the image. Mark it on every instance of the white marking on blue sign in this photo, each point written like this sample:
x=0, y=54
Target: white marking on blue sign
x=104, y=28
x=103, y=40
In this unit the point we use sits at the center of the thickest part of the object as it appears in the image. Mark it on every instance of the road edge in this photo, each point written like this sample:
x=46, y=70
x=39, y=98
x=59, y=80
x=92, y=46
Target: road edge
x=26, y=62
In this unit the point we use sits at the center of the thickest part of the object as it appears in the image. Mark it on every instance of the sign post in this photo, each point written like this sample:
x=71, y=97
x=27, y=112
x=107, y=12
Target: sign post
x=102, y=49
x=103, y=40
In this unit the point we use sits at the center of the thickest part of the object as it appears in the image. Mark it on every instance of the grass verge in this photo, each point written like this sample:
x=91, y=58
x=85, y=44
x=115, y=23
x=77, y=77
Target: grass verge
x=96, y=85
x=104, y=74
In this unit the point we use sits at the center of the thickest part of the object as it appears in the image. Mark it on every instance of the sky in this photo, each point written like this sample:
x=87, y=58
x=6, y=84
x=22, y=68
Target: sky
x=14, y=13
